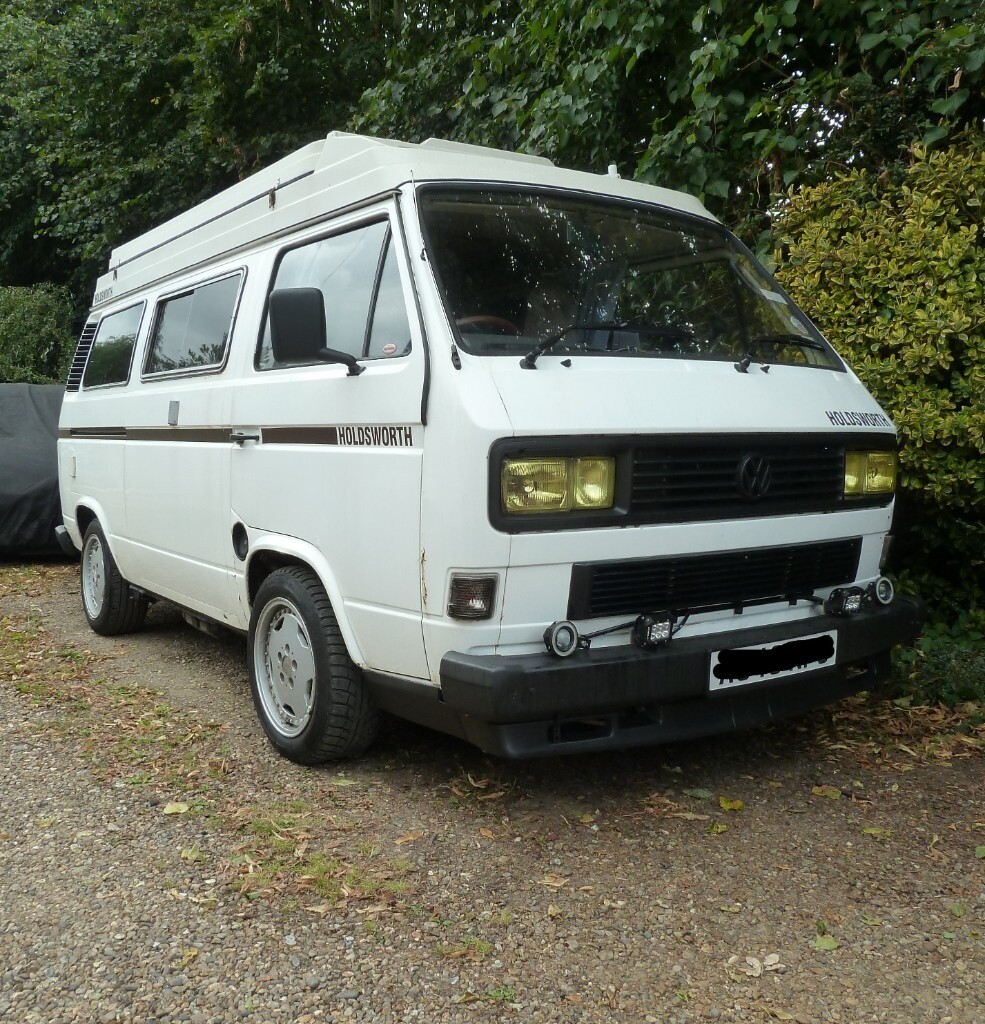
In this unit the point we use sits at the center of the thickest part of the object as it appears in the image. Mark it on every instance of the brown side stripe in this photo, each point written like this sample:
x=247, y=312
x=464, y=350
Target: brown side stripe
x=202, y=435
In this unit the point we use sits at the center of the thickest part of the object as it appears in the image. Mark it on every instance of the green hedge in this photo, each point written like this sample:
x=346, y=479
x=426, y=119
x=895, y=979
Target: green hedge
x=37, y=340
x=892, y=268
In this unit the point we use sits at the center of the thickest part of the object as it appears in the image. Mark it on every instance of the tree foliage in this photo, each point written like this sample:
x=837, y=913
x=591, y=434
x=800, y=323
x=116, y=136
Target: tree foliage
x=36, y=334
x=892, y=267
x=732, y=101
x=116, y=114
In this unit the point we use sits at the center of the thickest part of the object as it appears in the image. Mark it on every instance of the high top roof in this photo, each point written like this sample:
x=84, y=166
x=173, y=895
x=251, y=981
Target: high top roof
x=332, y=174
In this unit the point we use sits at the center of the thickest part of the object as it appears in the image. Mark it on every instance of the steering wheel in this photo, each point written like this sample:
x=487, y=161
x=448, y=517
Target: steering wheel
x=489, y=320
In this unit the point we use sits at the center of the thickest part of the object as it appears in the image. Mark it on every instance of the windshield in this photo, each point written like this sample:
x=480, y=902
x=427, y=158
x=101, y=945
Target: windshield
x=516, y=268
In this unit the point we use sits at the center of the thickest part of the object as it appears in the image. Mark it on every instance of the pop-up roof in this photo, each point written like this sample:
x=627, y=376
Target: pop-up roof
x=325, y=177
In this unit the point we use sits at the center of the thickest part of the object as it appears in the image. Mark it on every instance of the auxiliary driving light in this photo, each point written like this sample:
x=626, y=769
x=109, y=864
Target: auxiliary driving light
x=651, y=631
x=883, y=590
x=561, y=638
x=844, y=601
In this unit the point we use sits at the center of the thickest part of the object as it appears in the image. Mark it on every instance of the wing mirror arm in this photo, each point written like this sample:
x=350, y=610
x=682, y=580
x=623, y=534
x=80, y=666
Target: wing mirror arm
x=333, y=355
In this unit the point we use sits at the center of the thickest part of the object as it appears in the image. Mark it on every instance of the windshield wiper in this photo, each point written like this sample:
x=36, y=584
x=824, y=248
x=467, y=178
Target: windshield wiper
x=776, y=340
x=529, y=361
x=787, y=339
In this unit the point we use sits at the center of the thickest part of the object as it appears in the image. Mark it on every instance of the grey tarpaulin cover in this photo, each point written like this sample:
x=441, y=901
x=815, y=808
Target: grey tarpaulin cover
x=29, y=505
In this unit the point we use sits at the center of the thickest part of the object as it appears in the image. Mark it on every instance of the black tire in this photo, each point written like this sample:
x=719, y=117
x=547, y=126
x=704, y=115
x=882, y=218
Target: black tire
x=110, y=604
x=309, y=695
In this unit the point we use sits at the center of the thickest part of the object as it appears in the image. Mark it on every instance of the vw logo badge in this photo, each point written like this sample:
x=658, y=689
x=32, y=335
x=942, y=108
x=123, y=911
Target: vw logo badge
x=754, y=476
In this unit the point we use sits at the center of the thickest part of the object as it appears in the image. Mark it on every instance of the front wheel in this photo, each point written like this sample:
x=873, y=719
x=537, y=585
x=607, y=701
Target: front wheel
x=110, y=604
x=309, y=695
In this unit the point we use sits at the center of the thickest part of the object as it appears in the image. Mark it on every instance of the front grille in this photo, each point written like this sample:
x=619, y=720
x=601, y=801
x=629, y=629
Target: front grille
x=81, y=355
x=684, y=483
x=722, y=580
x=690, y=478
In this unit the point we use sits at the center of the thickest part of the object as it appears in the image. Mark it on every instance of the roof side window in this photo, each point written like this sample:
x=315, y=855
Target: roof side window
x=192, y=329
x=112, y=348
x=358, y=278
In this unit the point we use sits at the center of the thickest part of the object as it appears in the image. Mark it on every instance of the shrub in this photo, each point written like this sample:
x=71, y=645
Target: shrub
x=892, y=268
x=946, y=665
x=37, y=341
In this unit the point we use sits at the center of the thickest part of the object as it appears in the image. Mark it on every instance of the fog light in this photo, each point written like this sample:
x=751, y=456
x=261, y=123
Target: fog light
x=561, y=638
x=472, y=597
x=844, y=601
x=651, y=631
x=883, y=590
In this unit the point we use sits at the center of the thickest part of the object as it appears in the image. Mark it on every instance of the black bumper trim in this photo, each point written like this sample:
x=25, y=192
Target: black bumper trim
x=65, y=542
x=527, y=705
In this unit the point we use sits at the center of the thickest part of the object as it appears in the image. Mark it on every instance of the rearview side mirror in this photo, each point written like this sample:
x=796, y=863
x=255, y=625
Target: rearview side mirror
x=297, y=329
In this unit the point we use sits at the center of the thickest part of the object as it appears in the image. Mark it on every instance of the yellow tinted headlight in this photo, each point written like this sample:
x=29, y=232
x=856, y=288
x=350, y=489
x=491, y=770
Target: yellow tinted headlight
x=557, y=484
x=594, y=482
x=535, y=485
x=880, y=473
x=854, y=473
x=869, y=473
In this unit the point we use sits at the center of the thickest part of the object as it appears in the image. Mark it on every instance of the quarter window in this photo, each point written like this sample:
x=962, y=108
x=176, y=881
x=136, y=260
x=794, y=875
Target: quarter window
x=192, y=329
x=112, y=348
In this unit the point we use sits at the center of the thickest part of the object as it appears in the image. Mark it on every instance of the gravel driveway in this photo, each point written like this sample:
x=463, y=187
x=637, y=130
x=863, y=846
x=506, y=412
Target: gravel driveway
x=158, y=862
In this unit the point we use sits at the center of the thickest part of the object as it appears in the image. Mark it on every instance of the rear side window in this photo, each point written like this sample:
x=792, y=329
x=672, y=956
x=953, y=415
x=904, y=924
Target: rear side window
x=112, y=348
x=356, y=272
x=192, y=329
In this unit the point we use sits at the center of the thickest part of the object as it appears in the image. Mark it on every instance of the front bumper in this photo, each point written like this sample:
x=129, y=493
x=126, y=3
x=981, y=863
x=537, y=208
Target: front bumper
x=620, y=697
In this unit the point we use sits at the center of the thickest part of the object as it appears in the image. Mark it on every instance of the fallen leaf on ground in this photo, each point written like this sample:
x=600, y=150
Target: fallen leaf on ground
x=880, y=834
x=699, y=794
x=829, y=792
x=730, y=805
x=554, y=881
x=826, y=942
x=487, y=833
x=777, y=1014
x=175, y=807
x=409, y=837
x=689, y=816
x=716, y=828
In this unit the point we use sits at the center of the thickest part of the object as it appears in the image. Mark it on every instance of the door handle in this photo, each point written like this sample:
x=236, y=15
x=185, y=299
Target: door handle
x=239, y=436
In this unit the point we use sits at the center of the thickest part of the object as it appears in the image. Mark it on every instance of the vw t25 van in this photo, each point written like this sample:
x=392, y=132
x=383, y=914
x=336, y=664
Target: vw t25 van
x=540, y=458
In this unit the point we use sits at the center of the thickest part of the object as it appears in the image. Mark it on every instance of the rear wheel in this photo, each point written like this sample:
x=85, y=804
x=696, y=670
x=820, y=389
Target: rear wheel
x=309, y=694
x=110, y=604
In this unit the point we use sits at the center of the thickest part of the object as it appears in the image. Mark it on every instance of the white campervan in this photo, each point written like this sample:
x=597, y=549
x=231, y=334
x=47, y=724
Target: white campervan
x=540, y=458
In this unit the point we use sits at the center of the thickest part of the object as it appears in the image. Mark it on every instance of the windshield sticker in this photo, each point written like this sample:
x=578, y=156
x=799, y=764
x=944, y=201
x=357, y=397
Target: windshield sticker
x=839, y=418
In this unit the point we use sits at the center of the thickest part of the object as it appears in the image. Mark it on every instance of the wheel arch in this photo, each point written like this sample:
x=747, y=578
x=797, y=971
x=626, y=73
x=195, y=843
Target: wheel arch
x=269, y=553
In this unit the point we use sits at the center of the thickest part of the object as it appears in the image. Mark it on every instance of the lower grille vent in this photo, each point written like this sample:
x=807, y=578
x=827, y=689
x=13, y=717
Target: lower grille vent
x=722, y=580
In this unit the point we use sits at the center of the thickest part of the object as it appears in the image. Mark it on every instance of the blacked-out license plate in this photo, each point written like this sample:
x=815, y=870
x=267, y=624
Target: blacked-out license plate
x=744, y=665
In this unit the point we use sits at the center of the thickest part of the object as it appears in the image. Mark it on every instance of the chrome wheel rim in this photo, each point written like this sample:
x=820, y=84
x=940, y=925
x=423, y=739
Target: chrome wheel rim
x=93, y=576
x=285, y=667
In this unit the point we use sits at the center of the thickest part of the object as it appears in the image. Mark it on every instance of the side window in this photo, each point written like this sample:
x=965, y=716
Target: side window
x=192, y=329
x=112, y=348
x=357, y=274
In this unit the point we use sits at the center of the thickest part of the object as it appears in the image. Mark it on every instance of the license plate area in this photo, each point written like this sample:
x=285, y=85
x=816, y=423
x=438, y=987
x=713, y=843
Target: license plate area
x=743, y=666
